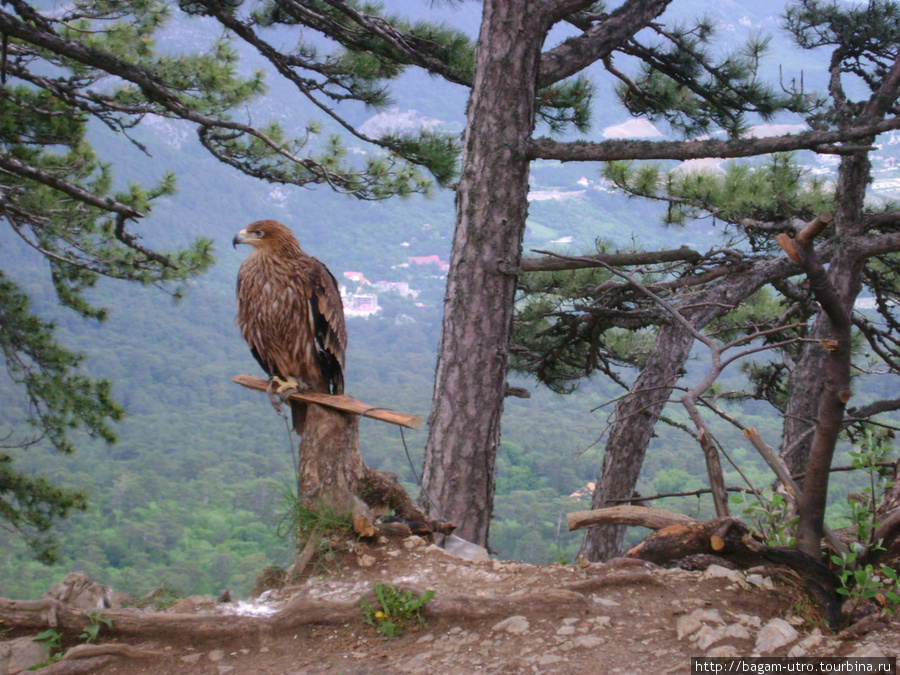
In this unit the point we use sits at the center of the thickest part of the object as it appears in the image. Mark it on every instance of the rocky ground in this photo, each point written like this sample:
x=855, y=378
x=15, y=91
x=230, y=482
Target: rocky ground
x=487, y=616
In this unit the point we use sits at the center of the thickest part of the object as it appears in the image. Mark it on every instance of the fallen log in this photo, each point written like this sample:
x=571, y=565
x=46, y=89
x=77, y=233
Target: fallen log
x=641, y=516
x=731, y=539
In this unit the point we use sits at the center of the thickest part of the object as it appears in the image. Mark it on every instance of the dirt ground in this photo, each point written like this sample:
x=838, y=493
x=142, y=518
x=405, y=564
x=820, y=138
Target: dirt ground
x=507, y=617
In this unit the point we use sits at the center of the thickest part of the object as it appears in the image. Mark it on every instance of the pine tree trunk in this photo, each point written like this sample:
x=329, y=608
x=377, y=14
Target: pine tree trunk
x=636, y=415
x=807, y=385
x=631, y=433
x=492, y=205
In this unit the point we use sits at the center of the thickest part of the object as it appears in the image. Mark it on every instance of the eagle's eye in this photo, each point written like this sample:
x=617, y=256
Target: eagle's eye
x=259, y=234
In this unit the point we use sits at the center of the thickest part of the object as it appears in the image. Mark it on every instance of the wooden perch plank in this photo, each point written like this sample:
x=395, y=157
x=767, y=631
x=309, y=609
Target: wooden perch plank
x=343, y=403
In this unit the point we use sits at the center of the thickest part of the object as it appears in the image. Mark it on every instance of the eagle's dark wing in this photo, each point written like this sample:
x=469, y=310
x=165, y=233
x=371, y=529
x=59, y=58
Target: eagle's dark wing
x=327, y=319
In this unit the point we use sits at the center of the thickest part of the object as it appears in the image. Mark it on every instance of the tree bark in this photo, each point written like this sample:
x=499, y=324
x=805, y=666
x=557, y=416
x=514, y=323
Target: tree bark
x=835, y=375
x=491, y=208
x=332, y=473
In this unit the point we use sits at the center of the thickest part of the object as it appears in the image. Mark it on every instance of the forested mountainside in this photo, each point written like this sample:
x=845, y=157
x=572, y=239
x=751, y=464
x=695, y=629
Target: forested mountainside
x=192, y=494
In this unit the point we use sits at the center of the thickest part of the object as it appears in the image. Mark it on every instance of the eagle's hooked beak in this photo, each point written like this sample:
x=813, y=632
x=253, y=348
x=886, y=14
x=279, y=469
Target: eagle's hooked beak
x=239, y=238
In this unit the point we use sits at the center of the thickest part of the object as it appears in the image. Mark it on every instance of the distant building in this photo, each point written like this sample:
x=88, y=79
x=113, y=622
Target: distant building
x=430, y=260
x=587, y=492
x=360, y=304
x=402, y=287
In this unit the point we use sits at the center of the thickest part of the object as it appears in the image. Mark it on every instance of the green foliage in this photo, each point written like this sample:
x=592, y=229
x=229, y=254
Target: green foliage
x=683, y=82
x=92, y=632
x=564, y=330
x=866, y=583
x=771, y=190
x=52, y=639
x=770, y=515
x=872, y=451
x=866, y=37
x=52, y=644
x=567, y=104
x=395, y=611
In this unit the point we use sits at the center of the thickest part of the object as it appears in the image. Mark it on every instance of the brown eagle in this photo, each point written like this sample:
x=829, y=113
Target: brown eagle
x=290, y=313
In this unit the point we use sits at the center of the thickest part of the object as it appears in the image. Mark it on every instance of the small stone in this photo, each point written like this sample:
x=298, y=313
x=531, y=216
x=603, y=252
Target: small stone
x=722, y=650
x=365, y=560
x=225, y=669
x=549, y=659
x=191, y=658
x=566, y=630
x=760, y=581
x=603, y=621
x=514, y=625
x=606, y=602
x=193, y=603
x=809, y=642
x=774, y=635
x=711, y=615
x=414, y=541
x=748, y=620
x=216, y=655
x=587, y=641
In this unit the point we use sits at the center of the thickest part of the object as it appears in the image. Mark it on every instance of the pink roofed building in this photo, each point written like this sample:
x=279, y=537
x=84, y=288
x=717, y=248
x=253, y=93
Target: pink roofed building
x=430, y=260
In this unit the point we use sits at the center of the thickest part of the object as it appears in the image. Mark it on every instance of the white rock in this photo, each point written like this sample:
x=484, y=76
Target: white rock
x=606, y=602
x=774, y=635
x=748, y=620
x=686, y=625
x=868, y=649
x=514, y=625
x=711, y=615
x=566, y=630
x=413, y=541
x=760, y=581
x=719, y=572
x=807, y=643
x=723, y=650
x=464, y=549
x=587, y=641
x=708, y=635
x=216, y=655
x=365, y=560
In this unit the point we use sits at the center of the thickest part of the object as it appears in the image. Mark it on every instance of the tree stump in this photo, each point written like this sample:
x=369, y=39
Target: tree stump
x=332, y=473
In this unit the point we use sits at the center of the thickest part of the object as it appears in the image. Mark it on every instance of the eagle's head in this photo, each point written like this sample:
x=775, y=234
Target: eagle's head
x=265, y=234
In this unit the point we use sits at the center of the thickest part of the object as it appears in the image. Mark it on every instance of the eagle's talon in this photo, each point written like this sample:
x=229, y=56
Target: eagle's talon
x=288, y=386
